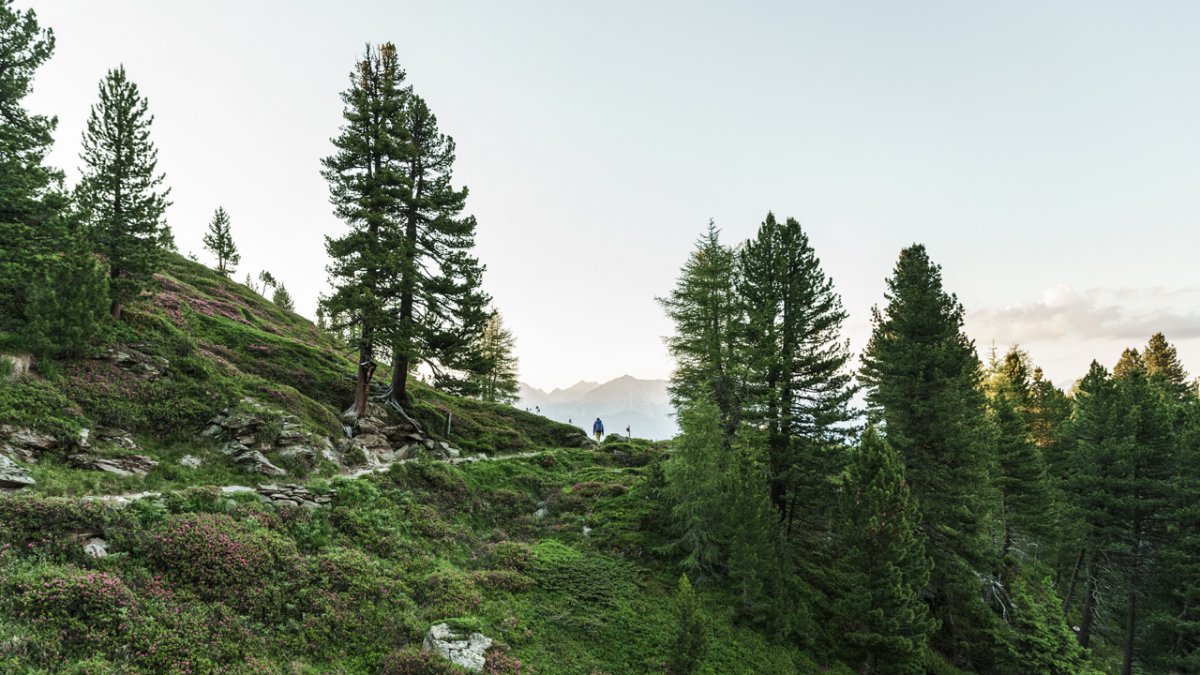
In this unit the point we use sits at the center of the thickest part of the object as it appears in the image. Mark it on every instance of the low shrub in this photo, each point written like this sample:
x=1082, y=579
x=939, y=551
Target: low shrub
x=448, y=593
x=86, y=610
x=412, y=661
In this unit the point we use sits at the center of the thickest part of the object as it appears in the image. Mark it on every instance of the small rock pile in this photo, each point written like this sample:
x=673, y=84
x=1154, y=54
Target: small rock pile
x=377, y=442
x=295, y=495
x=18, y=444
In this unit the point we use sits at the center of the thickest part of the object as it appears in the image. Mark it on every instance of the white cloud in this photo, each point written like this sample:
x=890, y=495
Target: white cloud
x=1064, y=313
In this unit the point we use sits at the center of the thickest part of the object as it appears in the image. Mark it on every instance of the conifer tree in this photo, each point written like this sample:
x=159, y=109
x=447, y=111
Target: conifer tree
x=799, y=382
x=121, y=189
x=439, y=302
x=67, y=305
x=707, y=314
x=495, y=377
x=219, y=241
x=34, y=229
x=691, y=629
x=698, y=488
x=1163, y=366
x=283, y=299
x=368, y=186
x=922, y=378
x=883, y=565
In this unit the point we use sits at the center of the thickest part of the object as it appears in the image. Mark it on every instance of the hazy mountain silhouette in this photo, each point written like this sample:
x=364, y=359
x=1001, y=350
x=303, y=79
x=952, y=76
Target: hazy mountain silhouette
x=641, y=405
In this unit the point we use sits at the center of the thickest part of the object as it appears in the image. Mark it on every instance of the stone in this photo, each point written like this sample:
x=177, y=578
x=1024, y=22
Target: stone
x=463, y=650
x=234, y=448
x=85, y=435
x=96, y=547
x=136, y=362
x=542, y=512
x=20, y=365
x=255, y=461
x=190, y=461
x=25, y=444
x=13, y=476
x=128, y=465
x=118, y=437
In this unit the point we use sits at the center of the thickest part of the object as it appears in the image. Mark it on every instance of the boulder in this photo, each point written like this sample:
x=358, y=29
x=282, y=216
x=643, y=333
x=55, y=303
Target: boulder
x=255, y=461
x=19, y=365
x=128, y=465
x=190, y=461
x=25, y=445
x=95, y=547
x=13, y=476
x=461, y=649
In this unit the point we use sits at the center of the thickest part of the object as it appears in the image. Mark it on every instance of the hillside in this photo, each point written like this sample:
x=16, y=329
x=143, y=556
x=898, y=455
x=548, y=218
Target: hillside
x=189, y=499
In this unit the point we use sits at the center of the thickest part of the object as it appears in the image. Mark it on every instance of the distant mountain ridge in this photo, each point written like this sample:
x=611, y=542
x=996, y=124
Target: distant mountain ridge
x=642, y=405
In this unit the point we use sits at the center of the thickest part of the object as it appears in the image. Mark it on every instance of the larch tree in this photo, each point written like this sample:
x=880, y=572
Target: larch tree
x=368, y=187
x=799, y=383
x=707, y=313
x=283, y=299
x=923, y=384
x=437, y=296
x=219, y=241
x=121, y=191
x=494, y=378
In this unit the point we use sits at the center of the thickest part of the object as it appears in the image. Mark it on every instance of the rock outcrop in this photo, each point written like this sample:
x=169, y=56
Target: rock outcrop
x=126, y=465
x=140, y=364
x=295, y=495
x=19, y=365
x=254, y=428
x=25, y=445
x=13, y=476
x=468, y=651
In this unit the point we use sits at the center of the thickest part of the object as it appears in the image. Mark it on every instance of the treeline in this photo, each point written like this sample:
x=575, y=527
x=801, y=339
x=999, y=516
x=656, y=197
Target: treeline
x=406, y=285
x=972, y=516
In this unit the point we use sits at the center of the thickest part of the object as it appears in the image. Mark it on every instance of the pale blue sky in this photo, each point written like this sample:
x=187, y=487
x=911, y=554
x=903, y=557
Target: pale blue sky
x=1048, y=154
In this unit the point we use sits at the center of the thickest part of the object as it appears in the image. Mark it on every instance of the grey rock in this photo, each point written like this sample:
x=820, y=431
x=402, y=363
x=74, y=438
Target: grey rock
x=191, y=461
x=542, y=512
x=13, y=476
x=255, y=461
x=234, y=448
x=464, y=650
x=118, y=437
x=96, y=547
x=21, y=365
x=128, y=465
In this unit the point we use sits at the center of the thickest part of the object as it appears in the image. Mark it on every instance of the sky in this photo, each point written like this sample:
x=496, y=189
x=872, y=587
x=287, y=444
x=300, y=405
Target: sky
x=1047, y=154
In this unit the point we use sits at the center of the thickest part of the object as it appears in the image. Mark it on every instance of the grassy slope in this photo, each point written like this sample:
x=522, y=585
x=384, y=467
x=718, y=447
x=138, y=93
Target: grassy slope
x=200, y=582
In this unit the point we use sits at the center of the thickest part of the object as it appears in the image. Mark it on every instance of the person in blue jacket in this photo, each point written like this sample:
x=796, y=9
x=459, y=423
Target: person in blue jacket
x=598, y=429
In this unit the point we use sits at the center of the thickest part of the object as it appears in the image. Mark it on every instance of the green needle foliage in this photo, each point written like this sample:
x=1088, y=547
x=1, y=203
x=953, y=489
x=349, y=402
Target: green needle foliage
x=923, y=384
x=219, y=241
x=494, y=377
x=883, y=567
x=120, y=191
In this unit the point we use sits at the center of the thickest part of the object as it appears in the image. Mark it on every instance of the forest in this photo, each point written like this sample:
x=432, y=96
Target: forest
x=913, y=508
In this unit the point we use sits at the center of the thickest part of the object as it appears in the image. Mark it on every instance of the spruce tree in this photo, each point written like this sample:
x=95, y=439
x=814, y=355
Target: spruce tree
x=368, y=187
x=691, y=629
x=495, y=376
x=283, y=299
x=121, y=190
x=799, y=382
x=883, y=567
x=67, y=304
x=439, y=302
x=923, y=383
x=33, y=228
x=707, y=313
x=1163, y=366
x=219, y=241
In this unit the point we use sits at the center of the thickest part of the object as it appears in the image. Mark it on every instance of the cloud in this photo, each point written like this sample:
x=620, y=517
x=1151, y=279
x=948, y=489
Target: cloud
x=1064, y=313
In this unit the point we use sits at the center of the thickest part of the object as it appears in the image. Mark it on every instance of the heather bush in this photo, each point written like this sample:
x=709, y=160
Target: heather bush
x=511, y=555
x=221, y=558
x=412, y=661
x=85, y=610
x=448, y=593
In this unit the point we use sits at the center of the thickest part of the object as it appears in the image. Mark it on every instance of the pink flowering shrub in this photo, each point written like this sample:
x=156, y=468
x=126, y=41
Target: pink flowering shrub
x=500, y=662
x=449, y=593
x=85, y=609
x=221, y=558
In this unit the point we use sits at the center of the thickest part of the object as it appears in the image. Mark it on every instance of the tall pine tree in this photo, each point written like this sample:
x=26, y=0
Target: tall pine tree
x=121, y=189
x=368, y=186
x=923, y=384
x=494, y=378
x=799, y=381
x=440, y=305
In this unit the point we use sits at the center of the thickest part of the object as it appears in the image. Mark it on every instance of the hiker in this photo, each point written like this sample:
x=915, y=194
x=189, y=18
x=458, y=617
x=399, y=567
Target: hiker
x=598, y=429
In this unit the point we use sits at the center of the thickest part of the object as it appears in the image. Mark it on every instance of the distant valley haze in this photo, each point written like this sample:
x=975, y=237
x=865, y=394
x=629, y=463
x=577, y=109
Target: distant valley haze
x=641, y=405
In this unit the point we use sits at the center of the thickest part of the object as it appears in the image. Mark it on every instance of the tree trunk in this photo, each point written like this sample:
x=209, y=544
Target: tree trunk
x=1089, y=603
x=400, y=365
x=366, y=368
x=115, y=310
x=1066, y=605
x=1131, y=611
